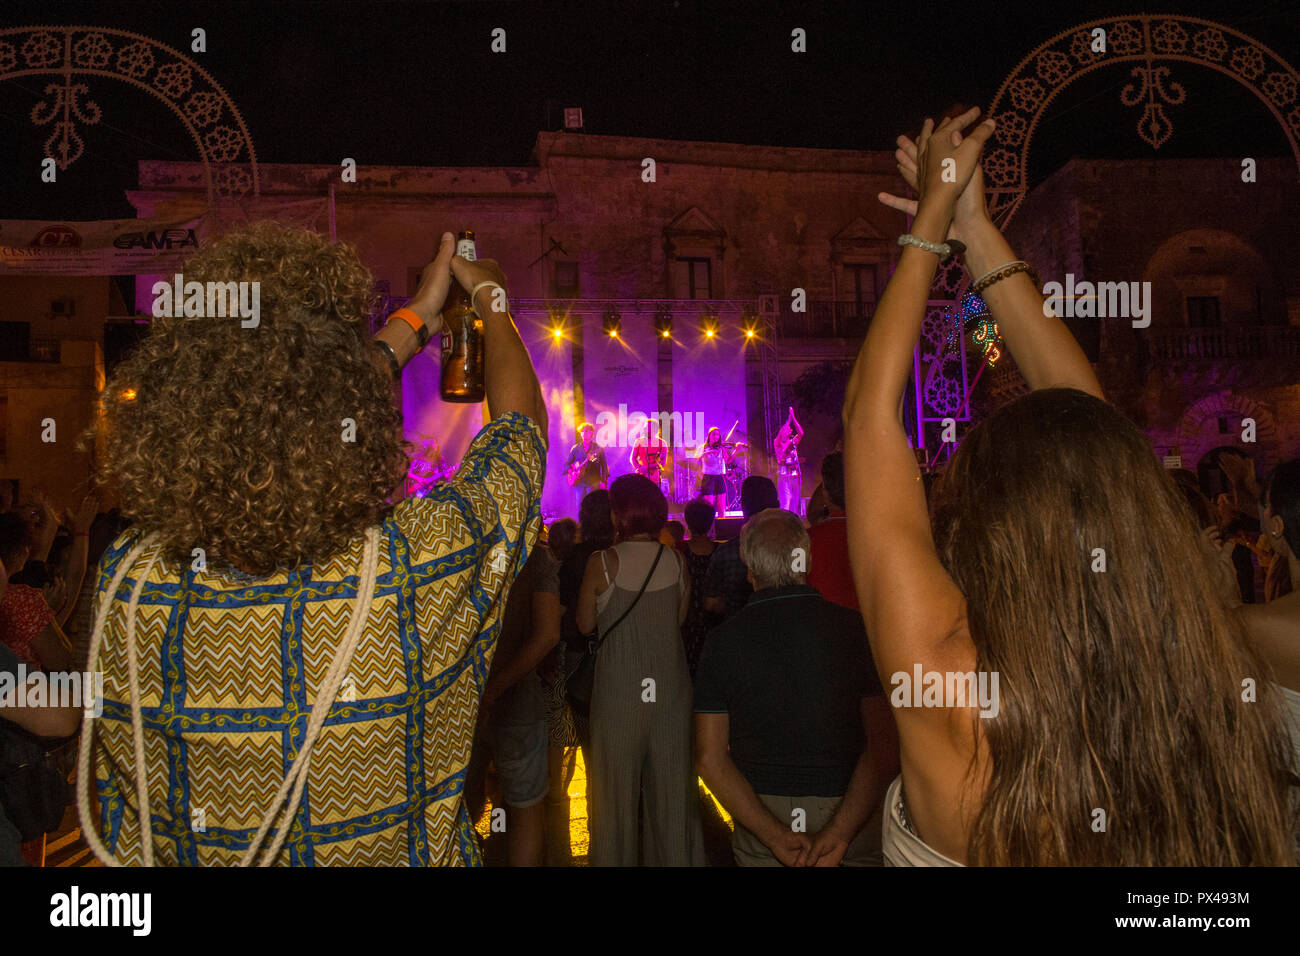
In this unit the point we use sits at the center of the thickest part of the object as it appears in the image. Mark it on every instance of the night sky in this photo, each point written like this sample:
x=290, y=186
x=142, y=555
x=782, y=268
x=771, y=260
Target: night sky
x=415, y=83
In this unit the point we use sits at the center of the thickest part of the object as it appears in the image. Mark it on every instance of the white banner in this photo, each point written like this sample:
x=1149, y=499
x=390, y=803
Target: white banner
x=102, y=248
x=157, y=246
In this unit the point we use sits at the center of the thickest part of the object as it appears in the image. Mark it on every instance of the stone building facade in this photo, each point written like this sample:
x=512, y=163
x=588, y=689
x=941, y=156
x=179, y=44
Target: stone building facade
x=1223, y=344
x=727, y=233
x=703, y=231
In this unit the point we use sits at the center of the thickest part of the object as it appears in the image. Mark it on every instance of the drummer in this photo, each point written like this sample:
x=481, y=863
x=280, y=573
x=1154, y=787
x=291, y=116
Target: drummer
x=714, y=458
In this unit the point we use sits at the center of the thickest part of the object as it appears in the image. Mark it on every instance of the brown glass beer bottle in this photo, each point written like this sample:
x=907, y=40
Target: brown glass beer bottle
x=462, y=337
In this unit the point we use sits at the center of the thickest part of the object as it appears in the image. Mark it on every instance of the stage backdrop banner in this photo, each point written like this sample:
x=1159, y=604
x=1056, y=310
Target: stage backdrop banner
x=708, y=388
x=621, y=383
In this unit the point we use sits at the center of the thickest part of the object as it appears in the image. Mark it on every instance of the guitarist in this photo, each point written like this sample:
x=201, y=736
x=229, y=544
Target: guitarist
x=586, y=468
x=649, y=452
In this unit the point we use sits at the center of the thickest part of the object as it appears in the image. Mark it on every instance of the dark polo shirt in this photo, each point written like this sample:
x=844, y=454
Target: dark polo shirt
x=790, y=670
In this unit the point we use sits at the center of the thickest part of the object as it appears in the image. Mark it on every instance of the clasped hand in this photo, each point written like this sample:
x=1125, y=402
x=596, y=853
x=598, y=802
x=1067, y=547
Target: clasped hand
x=435, y=281
x=943, y=167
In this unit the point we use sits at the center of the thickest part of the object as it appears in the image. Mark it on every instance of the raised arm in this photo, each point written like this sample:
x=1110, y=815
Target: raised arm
x=909, y=603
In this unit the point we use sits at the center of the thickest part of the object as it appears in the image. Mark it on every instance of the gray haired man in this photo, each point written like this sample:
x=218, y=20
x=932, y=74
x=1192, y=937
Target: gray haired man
x=793, y=730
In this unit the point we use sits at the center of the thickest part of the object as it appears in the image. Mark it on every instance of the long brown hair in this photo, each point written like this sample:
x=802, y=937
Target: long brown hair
x=1121, y=689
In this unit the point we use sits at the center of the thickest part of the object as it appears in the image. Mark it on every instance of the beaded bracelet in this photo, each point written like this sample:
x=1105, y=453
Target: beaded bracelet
x=1003, y=272
x=944, y=250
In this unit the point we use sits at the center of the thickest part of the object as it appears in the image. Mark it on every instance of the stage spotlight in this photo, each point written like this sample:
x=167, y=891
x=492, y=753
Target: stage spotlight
x=558, y=333
x=710, y=324
x=664, y=324
x=750, y=333
x=612, y=324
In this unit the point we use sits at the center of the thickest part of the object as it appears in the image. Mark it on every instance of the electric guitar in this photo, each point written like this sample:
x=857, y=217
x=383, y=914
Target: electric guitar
x=574, y=474
x=650, y=458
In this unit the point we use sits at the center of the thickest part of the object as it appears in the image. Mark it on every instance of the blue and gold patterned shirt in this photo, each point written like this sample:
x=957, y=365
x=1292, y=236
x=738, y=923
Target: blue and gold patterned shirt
x=230, y=667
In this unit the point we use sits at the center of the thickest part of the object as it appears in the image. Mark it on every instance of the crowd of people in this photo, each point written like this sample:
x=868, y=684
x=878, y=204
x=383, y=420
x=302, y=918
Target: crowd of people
x=269, y=609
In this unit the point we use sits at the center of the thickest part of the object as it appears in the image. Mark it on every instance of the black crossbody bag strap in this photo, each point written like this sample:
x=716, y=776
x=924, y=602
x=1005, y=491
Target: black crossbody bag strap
x=644, y=585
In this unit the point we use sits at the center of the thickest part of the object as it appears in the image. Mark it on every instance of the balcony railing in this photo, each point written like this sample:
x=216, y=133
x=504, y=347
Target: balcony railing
x=1241, y=342
x=827, y=319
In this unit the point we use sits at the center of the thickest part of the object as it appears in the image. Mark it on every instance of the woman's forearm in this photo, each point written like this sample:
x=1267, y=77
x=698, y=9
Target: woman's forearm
x=1044, y=349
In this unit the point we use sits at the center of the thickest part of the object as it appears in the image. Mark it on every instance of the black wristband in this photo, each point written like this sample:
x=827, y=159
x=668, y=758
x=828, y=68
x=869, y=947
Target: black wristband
x=391, y=356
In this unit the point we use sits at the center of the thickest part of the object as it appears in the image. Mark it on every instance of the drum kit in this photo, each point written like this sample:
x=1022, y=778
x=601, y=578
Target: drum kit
x=686, y=474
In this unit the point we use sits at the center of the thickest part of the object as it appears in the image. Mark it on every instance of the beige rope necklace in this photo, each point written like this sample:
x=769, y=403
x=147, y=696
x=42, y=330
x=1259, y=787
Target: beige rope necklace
x=296, y=779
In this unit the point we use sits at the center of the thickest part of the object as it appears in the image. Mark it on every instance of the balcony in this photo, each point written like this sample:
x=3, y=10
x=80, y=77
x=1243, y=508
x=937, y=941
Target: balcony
x=827, y=319
x=1227, y=344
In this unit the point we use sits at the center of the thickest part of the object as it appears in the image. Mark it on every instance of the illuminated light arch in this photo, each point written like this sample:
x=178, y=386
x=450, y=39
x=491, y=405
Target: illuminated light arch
x=1147, y=41
x=189, y=91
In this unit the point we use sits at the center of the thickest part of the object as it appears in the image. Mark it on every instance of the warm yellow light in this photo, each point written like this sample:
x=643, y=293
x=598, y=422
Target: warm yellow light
x=558, y=333
x=128, y=395
x=708, y=334
x=749, y=333
x=613, y=333
x=667, y=333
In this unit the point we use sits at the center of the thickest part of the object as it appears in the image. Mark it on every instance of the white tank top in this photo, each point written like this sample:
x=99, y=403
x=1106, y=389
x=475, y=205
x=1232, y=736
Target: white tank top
x=634, y=560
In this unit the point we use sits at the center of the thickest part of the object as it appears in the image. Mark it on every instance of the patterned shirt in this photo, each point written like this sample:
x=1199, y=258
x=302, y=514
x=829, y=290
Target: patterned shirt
x=728, y=577
x=229, y=671
x=23, y=616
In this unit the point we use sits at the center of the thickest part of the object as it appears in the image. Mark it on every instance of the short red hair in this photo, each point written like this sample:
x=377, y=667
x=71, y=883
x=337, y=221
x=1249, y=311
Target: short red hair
x=638, y=506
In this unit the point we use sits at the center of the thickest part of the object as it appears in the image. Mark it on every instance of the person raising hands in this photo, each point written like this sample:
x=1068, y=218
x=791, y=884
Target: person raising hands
x=1002, y=594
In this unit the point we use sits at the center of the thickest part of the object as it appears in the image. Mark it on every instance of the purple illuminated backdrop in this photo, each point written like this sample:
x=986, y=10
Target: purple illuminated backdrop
x=621, y=385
